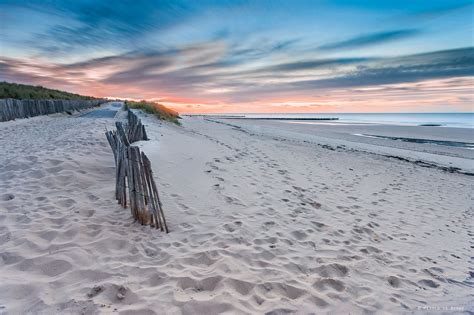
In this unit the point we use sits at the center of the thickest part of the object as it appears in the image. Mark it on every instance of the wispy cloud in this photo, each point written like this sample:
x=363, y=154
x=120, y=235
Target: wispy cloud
x=201, y=70
x=371, y=39
x=102, y=24
x=313, y=64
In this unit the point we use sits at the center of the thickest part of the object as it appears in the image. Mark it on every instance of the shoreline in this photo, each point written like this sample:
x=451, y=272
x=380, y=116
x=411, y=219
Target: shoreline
x=271, y=118
x=465, y=145
x=345, y=137
x=445, y=120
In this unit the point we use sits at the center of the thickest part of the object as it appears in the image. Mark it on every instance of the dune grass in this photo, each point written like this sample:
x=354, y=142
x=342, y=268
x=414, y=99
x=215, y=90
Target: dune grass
x=30, y=92
x=160, y=111
x=23, y=92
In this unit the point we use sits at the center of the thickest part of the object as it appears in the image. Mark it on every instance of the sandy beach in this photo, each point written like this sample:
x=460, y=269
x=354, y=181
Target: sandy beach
x=264, y=217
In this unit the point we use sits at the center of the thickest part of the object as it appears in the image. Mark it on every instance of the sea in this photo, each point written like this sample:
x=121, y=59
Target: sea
x=459, y=120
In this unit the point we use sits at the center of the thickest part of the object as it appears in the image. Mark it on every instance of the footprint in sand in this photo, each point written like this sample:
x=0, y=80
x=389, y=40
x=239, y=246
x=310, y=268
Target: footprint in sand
x=96, y=290
x=314, y=204
x=54, y=162
x=92, y=197
x=229, y=228
x=8, y=197
x=428, y=283
x=394, y=282
x=68, y=202
x=31, y=158
x=334, y=284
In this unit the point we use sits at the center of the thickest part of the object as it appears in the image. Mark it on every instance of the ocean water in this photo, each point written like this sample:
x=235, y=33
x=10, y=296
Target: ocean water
x=459, y=120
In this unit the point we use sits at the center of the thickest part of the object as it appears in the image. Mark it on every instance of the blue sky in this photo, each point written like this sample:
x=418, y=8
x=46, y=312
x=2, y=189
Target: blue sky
x=236, y=56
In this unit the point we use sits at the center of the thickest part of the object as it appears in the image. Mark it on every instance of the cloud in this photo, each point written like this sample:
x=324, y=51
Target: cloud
x=371, y=39
x=283, y=45
x=214, y=72
x=100, y=24
x=73, y=25
x=405, y=69
x=88, y=25
x=313, y=64
x=215, y=52
x=443, y=10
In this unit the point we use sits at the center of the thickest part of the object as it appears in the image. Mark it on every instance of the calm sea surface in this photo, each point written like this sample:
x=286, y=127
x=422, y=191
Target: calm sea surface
x=460, y=120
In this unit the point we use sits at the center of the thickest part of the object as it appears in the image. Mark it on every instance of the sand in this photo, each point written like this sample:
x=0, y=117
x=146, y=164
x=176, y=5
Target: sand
x=263, y=218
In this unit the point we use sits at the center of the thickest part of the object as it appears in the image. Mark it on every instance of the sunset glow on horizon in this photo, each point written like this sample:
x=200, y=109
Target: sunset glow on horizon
x=248, y=56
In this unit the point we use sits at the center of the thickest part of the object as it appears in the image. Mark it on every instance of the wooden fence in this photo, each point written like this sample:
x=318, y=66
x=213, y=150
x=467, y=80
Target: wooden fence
x=136, y=130
x=134, y=178
x=11, y=109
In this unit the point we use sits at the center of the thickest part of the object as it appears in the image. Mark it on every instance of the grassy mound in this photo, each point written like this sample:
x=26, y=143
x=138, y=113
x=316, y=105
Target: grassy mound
x=24, y=92
x=160, y=111
x=30, y=92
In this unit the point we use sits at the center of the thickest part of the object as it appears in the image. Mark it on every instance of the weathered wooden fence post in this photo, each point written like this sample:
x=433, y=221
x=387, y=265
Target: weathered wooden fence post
x=136, y=130
x=133, y=171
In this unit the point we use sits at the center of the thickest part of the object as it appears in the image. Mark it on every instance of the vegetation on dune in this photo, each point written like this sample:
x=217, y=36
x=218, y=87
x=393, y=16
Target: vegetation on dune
x=24, y=92
x=160, y=111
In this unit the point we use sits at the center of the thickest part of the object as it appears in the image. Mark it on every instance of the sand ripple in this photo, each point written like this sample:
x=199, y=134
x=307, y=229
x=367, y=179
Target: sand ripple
x=259, y=225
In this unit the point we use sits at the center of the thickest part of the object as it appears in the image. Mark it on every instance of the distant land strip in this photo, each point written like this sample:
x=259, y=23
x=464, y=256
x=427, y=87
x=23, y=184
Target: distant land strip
x=264, y=118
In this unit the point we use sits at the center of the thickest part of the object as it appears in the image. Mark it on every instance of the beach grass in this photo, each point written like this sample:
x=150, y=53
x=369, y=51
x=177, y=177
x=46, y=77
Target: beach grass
x=30, y=92
x=156, y=109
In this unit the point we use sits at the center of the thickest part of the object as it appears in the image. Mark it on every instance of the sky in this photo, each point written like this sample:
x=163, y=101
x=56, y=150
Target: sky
x=248, y=56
